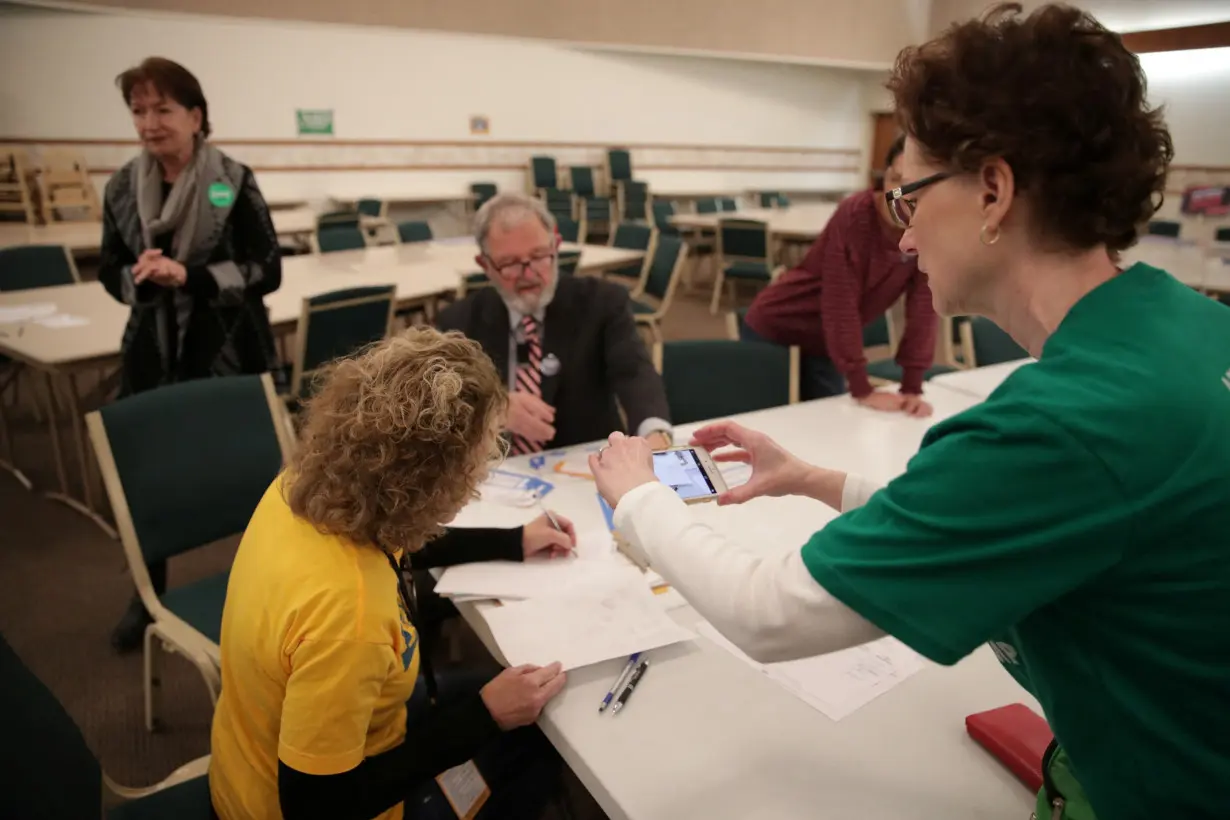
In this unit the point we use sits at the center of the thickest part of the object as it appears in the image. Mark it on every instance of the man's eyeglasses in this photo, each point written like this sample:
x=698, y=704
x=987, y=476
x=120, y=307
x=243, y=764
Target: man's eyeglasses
x=511, y=270
x=901, y=205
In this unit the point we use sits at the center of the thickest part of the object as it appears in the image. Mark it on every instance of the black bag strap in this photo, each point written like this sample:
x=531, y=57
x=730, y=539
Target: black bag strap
x=409, y=599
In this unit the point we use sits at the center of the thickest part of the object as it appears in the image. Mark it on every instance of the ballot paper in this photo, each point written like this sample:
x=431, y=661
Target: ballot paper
x=12, y=314
x=839, y=683
x=583, y=629
x=514, y=489
x=62, y=320
x=536, y=578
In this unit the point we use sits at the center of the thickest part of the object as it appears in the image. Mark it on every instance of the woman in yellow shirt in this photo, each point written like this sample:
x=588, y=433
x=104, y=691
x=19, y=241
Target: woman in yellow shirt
x=320, y=654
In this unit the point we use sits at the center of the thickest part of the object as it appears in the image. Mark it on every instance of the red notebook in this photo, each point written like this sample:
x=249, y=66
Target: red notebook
x=1017, y=736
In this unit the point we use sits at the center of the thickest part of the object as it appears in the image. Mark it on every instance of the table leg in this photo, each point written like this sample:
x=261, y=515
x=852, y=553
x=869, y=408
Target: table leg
x=64, y=496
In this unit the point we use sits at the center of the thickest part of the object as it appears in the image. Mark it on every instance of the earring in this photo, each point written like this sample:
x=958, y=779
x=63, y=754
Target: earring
x=982, y=236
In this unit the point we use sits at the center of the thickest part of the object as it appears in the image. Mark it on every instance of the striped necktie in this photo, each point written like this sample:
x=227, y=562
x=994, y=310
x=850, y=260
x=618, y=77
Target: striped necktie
x=529, y=378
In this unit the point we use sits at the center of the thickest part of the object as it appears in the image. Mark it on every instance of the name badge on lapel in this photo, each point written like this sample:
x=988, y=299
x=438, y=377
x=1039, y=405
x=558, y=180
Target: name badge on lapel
x=549, y=365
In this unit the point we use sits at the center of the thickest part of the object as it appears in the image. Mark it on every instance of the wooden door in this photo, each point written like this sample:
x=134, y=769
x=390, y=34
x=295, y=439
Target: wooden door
x=883, y=131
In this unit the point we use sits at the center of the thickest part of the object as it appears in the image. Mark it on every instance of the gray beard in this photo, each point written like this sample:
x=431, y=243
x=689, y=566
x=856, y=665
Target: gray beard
x=521, y=305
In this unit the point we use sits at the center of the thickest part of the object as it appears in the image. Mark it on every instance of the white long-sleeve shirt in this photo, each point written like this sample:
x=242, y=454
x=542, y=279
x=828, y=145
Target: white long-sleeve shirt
x=770, y=607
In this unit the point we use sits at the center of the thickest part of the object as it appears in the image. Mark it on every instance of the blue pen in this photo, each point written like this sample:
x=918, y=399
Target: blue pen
x=624, y=673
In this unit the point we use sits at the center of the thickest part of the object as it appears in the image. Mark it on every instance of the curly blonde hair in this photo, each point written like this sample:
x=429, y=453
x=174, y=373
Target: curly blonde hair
x=397, y=439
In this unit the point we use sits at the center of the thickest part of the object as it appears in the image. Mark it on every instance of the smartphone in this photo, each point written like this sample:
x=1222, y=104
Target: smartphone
x=690, y=472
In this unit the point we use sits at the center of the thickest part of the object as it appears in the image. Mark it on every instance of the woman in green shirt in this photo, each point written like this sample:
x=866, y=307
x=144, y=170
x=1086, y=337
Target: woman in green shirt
x=1077, y=520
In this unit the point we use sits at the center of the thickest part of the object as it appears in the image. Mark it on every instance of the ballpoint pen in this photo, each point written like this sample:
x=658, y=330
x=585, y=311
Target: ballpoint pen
x=627, y=693
x=554, y=521
x=624, y=674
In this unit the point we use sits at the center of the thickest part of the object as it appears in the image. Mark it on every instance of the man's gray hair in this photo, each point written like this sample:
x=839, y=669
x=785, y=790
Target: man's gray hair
x=510, y=209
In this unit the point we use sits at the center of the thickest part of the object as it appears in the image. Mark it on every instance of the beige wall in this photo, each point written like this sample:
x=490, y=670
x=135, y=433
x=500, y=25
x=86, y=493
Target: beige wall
x=833, y=32
x=1120, y=15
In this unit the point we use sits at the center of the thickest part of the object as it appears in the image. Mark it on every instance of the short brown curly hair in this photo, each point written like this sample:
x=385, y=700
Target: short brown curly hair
x=397, y=439
x=1060, y=99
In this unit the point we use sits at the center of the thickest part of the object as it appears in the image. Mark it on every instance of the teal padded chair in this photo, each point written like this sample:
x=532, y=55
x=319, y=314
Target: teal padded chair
x=877, y=338
x=482, y=192
x=50, y=771
x=371, y=207
x=184, y=466
x=769, y=199
x=663, y=210
x=734, y=324
x=715, y=378
x=333, y=238
x=633, y=199
x=986, y=343
x=598, y=211
x=1164, y=227
x=570, y=230
x=543, y=174
x=632, y=236
x=414, y=232
x=337, y=324
x=338, y=219
x=708, y=205
x=743, y=255
x=618, y=165
x=1222, y=235
x=23, y=267
x=559, y=203
x=728, y=204
x=667, y=257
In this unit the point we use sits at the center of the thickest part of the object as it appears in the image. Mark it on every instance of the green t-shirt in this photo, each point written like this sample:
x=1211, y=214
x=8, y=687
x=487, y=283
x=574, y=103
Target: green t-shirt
x=1079, y=521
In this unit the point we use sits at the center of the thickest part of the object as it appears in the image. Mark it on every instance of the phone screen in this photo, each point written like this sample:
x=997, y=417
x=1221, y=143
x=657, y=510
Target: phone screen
x=681, y=471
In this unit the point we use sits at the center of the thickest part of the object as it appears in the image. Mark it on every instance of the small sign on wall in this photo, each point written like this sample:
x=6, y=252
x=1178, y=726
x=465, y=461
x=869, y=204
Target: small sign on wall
x=480, y=125
x=314, y=121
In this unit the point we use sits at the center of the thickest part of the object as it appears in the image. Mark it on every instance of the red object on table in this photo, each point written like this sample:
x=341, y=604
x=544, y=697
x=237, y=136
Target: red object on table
x=1017, y=736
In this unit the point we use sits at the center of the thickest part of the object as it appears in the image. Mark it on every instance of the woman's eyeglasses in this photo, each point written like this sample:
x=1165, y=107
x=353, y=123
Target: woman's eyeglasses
x=901, y=205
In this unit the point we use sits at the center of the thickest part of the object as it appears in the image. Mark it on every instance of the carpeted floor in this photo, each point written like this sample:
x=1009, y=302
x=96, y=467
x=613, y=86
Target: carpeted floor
x=63, y=586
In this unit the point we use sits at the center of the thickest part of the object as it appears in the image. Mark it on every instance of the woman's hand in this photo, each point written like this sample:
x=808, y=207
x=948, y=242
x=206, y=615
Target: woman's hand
x=774, y=471
x=516, y=696
x=626, y=462
x=159, y=269
x=540, y=538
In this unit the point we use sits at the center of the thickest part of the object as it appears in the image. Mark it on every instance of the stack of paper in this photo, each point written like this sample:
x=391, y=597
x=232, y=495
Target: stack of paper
x=840, y=683
x=11, y=314
x=612, y=622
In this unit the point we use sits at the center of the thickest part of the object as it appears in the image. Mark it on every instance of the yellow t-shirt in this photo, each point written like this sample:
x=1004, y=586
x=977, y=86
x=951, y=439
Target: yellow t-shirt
x=318, y=661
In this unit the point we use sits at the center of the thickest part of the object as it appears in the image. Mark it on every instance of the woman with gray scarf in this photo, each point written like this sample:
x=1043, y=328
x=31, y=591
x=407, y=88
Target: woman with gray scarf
x=188, y=244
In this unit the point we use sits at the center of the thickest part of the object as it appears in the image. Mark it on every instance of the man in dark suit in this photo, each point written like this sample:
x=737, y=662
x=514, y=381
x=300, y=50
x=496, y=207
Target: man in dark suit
x=567, y=346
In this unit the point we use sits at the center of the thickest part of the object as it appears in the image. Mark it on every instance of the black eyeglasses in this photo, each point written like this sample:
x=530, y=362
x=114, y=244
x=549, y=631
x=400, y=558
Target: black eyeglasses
x=901, y=205
x=510, y=270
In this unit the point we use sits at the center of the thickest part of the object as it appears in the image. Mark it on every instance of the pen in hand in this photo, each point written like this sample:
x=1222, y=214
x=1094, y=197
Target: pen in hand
x=627, y=693
x=554, y=521
x=624, y=674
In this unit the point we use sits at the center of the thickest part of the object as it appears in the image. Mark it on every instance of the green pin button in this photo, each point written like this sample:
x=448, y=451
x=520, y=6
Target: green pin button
x=221, y=195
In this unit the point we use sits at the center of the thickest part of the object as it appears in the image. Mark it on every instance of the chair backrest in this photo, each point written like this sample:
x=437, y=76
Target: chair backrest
x=634, y=200
x=768, y=199
x=743, y=239
x=337, y=324
x=582, y=180
x=370, y=207
x=734, y=324
x=49, y=770
x=543, y=173
x=597, y=209
x=665, y=263
x=482, y=192
x=568, y=263
x=876, y=333
x=1164, y=227
x=338, y=219
x=728, y=204
x=339, y=238
x=783, y=201
x=714, y=378
x=989, y=344
x=709, y=205
x=185, y=464
x=569, y=229
x=1222, y=235
x=36, y=266
x=632, y=236
x=619, y=164
x=663, y=210
x=558, y=202
x=414, y=232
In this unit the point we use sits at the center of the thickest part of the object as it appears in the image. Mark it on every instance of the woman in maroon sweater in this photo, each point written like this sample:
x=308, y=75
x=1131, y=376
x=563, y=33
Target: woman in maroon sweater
x=853, y=273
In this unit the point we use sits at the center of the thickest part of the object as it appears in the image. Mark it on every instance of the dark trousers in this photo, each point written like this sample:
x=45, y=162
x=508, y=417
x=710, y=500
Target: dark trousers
x=819, y=378
x=521, y=767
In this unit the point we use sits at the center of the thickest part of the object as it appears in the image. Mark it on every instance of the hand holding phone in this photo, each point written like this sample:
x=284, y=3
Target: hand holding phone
x=626, y=463
x=690, y=472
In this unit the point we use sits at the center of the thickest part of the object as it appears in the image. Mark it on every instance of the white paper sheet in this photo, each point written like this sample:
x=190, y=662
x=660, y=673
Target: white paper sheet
x=62, y=320
x=579, y=631
x=840, y=683
x=547, y=578
x=12, y=314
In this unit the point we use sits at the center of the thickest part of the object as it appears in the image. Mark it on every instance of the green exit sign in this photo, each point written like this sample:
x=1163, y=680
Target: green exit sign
x=317, y=121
